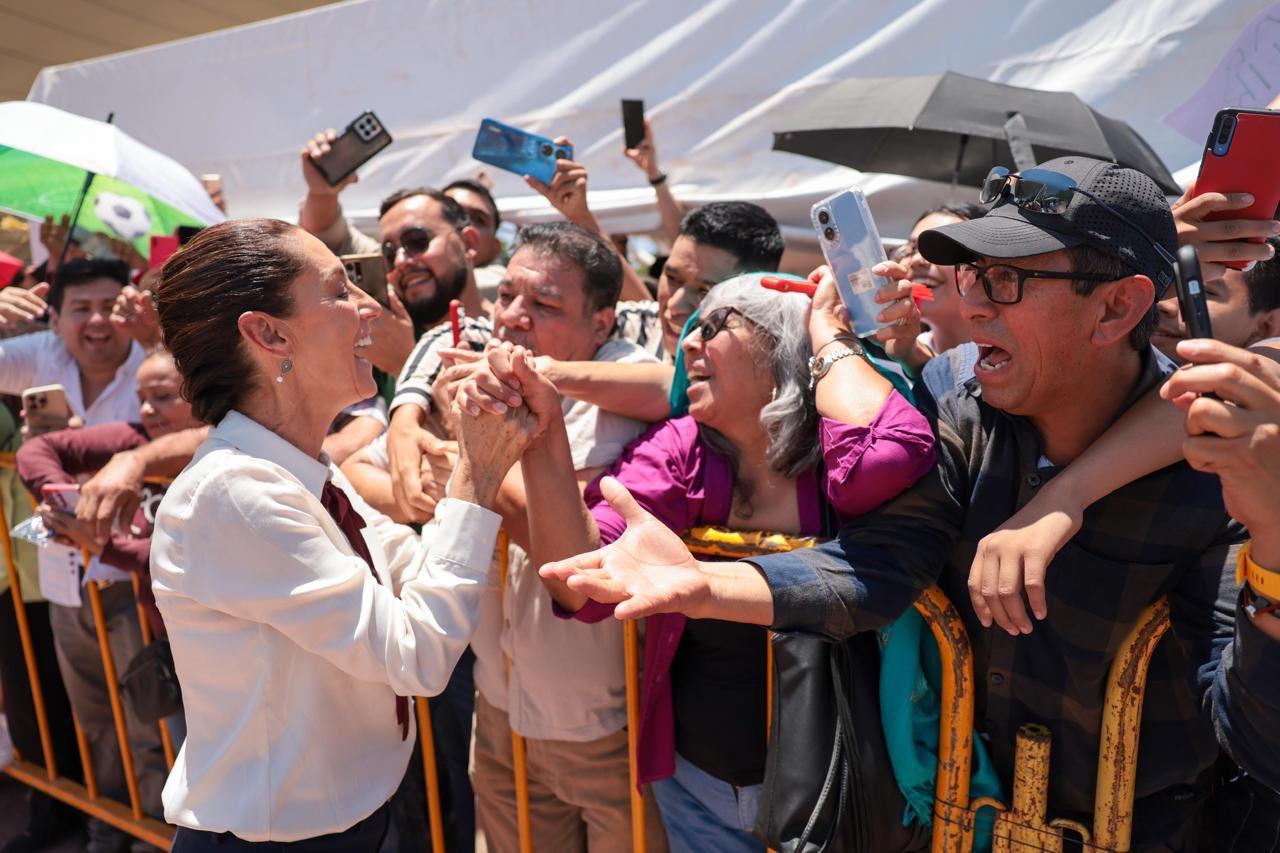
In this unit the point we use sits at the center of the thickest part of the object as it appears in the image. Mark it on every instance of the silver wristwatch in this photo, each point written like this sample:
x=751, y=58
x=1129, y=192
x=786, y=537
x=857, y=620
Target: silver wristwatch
x=819, y=366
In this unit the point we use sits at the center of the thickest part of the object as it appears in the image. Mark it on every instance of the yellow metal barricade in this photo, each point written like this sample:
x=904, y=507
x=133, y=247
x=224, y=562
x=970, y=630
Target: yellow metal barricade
x=86, y=797
x=1024, y=825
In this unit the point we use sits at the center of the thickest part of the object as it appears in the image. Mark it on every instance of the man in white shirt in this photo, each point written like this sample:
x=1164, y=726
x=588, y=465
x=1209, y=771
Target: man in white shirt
x=96, y=364
x=557, y=299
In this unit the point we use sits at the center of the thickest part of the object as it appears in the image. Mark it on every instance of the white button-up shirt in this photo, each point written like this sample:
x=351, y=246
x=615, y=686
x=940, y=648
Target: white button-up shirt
x=41, y=358
x=289, y=653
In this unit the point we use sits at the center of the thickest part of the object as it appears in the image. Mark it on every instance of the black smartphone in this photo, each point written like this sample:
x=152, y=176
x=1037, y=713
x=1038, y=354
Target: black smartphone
x=1191, y=299
x=362, y=139
x=367, y=272
x=632, y=122
x=186, y=232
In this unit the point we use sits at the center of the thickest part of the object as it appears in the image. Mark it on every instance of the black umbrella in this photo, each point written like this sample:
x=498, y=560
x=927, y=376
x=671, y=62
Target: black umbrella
x=952, y=128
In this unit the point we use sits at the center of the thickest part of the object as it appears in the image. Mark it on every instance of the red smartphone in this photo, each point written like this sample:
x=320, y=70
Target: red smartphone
x=163, y=247
x=63, y=497
x=1239, y=157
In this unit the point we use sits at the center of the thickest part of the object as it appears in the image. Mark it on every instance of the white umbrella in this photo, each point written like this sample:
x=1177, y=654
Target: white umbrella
x=46, y=154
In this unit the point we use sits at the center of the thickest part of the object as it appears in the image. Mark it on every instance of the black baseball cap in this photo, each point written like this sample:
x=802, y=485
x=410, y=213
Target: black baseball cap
x=1010, y=231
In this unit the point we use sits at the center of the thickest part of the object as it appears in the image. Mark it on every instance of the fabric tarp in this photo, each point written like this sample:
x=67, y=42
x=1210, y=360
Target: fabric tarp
x=717, y=78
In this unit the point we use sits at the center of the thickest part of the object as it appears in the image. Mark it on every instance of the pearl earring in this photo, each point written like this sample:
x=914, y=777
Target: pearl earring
x=285, y=367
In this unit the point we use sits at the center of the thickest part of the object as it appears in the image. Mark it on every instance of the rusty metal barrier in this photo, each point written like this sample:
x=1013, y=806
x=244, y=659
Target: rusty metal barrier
x=128, y=817
x=1025, y=824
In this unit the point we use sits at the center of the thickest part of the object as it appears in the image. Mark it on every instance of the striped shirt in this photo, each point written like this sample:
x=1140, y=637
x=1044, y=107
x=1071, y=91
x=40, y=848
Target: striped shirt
x=636, y=322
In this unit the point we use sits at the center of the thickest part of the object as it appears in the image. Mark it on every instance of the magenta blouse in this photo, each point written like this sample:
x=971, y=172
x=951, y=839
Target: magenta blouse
x=685, y=483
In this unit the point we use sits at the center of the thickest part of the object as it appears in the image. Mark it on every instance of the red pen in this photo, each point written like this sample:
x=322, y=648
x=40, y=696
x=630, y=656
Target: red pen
x=455, y=320
x=789, y=285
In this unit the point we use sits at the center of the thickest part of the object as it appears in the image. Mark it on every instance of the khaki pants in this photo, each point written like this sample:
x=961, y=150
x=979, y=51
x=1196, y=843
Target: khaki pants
x=579, y=792
x=76, y=640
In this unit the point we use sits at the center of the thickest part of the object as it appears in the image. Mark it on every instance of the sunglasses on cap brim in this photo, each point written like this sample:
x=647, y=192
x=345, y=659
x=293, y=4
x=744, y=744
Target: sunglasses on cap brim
x=1047, y=191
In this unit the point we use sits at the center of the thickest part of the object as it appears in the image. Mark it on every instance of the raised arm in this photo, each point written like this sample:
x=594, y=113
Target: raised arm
x=1236, y=435
x=567, y=193
x=645, y=156
x=113, y=493
x=639, y=391
x=1016, y=556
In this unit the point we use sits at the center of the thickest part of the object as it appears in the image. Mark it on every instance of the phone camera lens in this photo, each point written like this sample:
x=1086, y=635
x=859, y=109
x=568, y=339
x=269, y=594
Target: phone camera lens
x=824, y=217
x=829, y=233
x=1224, y=133
x=561, y=154
x=546, y=150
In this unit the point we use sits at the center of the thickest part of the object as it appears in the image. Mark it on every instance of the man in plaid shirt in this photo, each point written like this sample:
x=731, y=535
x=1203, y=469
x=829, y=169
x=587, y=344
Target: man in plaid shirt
x=1061, y=299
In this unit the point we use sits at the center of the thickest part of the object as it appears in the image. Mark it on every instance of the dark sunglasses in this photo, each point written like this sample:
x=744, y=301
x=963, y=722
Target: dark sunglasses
x=1046, y=191
x=413, y=240
x=715, y=322
x=1004, y=283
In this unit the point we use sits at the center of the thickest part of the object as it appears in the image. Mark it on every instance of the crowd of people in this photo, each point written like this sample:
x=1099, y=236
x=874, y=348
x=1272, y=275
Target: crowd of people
x=366, y=502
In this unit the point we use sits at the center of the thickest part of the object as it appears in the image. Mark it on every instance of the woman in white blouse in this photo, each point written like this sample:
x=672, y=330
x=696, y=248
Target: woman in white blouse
x=298, y=615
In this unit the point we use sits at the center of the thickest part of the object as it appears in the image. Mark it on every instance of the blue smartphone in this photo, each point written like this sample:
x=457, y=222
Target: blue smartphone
x=851, y=244
x=518, y=151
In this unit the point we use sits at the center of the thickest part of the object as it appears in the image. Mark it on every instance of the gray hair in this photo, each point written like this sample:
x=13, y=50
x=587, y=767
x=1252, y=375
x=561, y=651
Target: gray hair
x=790, y=420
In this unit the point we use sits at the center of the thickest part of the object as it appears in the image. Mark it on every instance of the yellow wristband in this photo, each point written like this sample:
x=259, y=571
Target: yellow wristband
x=1264, y=582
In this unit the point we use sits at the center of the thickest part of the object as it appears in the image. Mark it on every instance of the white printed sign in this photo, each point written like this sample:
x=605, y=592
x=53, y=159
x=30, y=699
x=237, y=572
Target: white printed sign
x=1248, y=76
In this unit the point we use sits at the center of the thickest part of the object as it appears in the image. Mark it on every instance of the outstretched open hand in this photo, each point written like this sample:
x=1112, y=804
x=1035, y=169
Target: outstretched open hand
x=647, y=570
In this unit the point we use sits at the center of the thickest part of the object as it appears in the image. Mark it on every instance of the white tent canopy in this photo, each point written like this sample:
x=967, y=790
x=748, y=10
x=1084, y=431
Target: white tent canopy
x=713, y=75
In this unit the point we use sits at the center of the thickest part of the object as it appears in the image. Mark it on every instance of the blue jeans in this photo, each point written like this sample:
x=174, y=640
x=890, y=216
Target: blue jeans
x=701, y=812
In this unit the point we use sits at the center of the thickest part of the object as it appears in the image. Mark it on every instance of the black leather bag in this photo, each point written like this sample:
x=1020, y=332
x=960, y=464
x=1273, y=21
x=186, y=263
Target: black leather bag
x=150, y=683
x=828, y=785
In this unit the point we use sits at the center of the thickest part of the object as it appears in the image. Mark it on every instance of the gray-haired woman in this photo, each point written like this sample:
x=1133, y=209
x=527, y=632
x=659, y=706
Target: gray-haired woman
x=746, y=457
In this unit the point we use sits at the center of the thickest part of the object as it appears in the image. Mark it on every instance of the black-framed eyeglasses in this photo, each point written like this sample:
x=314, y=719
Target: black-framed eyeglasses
x=414, y=240
x=714, y=323
x=1003, y=283
x=1047, y=191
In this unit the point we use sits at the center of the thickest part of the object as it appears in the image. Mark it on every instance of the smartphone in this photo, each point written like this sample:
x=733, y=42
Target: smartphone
x=45, y=409
x=369, y=273
x=632, y=122
x=1240, y=156
x=851, y=244
x=362, y=139
x=61, y=496
x=1191, y=298
x=163, y=247
x=518, y=151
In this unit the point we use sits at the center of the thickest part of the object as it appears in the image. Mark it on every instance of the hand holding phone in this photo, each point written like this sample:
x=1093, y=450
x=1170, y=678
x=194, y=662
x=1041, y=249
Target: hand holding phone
x=1191, y=299
x=1240, y=157
x=851, y=244
x=336, y=159
x=519, y=151
x=45, y=409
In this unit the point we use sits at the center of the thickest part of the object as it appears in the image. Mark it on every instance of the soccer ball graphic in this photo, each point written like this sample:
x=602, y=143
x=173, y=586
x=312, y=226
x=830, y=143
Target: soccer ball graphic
x=124, y=215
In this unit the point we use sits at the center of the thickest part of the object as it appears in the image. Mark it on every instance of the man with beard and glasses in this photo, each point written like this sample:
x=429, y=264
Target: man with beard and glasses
x=429, y=245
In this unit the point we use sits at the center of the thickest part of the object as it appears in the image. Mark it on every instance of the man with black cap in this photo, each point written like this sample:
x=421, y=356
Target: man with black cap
x=1059, y=282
